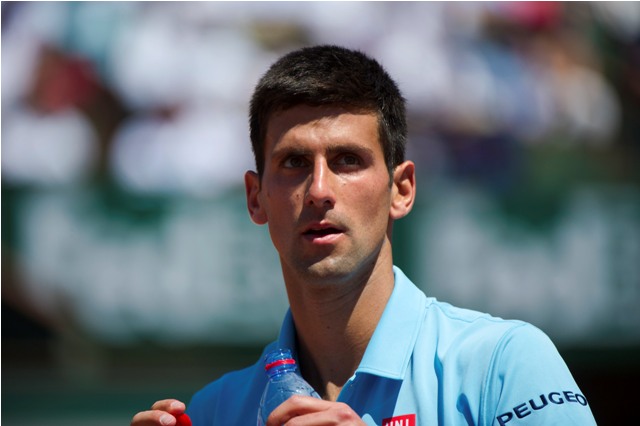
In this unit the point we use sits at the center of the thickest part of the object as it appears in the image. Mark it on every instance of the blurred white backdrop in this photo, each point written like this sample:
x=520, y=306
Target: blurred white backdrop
x=124, y=142
x=132, y=271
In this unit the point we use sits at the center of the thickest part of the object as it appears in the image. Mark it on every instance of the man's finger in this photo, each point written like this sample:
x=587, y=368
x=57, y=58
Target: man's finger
x=169, y=405
x=296, y=406
x=153, y=418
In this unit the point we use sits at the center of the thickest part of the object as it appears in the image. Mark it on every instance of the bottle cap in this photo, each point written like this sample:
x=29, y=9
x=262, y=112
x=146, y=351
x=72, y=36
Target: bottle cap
x=183, y=420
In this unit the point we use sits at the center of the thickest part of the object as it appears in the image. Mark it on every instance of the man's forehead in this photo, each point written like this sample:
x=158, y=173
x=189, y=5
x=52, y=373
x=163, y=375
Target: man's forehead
x=315, y=112
x=300, y=115
x=320, y=122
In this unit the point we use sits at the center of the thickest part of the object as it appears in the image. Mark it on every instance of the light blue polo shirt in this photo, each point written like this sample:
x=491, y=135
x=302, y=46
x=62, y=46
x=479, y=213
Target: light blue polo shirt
x=429, y=363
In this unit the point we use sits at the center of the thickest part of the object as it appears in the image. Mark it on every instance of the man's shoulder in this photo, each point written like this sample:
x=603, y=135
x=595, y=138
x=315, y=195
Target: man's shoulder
x=446, y=327
x=228, y=381
x=234, y=394
x=462, y=320
x=478, y=337
x=507, y=369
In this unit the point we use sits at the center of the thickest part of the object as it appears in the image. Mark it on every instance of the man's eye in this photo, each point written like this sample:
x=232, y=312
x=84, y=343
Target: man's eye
x=349, y=160
x=294, y=162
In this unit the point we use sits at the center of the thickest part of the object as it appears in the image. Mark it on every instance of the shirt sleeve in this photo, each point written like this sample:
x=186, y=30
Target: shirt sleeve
x=529, y=384
x=202, y=406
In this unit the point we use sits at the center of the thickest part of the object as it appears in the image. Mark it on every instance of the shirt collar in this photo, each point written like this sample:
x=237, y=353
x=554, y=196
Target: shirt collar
x=392, y=343
x=390, y=348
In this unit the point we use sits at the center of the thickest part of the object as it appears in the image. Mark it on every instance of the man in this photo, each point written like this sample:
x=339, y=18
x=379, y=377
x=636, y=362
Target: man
x=328, y=132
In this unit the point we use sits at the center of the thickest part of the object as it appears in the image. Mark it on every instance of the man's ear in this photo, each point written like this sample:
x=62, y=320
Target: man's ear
x=252, y=188
x=403, y=191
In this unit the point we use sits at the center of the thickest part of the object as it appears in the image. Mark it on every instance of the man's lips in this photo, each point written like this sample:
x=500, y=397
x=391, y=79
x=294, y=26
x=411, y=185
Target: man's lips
x=322, y=231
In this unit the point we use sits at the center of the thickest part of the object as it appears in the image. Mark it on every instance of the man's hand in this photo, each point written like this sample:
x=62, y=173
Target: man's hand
x=168, y=412
x=305, y=410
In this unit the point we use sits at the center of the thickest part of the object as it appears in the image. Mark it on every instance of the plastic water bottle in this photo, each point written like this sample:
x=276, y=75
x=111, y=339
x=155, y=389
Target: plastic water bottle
x=284, y=382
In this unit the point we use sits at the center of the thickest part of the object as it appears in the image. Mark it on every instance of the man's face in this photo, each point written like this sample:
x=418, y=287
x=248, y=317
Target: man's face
x=325, y=192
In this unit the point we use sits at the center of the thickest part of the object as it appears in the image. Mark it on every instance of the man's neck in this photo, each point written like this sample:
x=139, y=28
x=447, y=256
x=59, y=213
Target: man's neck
x=334, y=325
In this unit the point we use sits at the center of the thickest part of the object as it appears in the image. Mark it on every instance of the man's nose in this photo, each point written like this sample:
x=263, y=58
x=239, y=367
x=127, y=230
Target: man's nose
x=320, y=191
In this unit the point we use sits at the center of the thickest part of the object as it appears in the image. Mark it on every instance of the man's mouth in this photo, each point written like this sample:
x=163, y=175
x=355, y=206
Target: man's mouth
x=322, y=232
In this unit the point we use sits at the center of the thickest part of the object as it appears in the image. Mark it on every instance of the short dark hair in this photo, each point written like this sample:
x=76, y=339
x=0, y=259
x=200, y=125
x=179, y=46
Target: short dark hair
x=330, y=75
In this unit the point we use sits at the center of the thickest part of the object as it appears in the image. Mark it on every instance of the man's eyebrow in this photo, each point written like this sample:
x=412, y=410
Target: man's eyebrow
x=333, y=149
x=287, y=151
x=342, y=148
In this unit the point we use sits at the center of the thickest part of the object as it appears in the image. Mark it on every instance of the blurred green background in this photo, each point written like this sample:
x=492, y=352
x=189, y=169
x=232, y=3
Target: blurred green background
x=131, y=271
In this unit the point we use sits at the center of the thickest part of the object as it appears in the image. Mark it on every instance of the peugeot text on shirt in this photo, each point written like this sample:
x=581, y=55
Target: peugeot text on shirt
x=527, y=408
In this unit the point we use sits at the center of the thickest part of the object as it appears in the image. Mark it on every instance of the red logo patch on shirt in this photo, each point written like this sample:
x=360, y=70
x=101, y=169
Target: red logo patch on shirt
x=406, y=420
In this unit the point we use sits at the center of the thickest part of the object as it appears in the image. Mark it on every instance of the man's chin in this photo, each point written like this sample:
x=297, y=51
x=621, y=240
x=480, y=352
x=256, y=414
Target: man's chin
x=321, y=270
x=329, y=272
